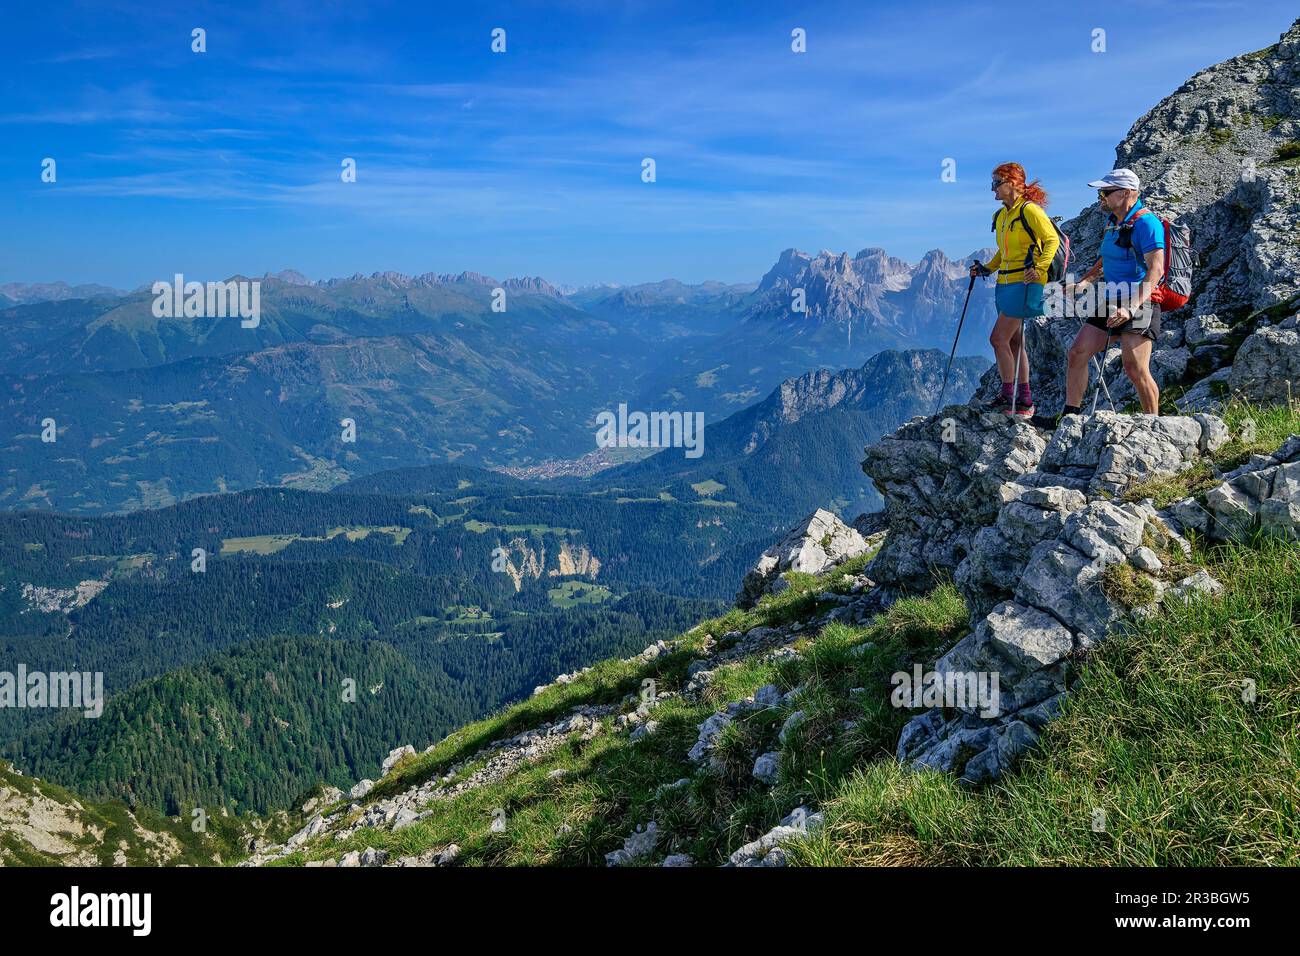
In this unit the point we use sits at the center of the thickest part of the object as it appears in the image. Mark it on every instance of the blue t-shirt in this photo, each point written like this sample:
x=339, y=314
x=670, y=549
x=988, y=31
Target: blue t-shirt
x=1122, y=265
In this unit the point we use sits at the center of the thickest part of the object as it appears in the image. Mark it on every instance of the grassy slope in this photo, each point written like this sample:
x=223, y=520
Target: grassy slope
x=611, y=784
x=1156, y=735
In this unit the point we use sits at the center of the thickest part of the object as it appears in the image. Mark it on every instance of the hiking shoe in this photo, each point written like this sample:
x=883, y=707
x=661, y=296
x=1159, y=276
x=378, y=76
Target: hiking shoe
x=1046, y=422
x=1004, y=405
x=999, y=404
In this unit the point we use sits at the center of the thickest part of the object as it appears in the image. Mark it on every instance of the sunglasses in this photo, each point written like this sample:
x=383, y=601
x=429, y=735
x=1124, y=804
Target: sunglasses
x=1103, y=193
x=997, y=183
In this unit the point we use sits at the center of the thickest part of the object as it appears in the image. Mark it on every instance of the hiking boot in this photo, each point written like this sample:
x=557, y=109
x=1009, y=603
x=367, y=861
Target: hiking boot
x=1023, y=411
x=1046, y=422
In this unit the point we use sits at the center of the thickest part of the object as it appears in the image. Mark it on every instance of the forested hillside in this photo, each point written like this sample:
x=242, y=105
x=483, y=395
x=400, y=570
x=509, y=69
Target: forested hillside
x=485, y=584
x=255, y=726
x=285, y=569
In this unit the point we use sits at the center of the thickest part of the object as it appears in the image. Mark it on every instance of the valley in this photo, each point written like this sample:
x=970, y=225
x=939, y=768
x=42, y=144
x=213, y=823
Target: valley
x=452, y=588
x=152, y=411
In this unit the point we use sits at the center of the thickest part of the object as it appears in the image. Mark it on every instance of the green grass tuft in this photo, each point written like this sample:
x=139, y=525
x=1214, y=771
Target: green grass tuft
x=1285, y=154
x=1272, y=426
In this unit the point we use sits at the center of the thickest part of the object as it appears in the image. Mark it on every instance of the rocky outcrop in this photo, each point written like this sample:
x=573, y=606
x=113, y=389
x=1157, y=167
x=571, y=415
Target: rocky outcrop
x=1063, y=567
x=941, y=478
x=395, y=756
x=1263, y=494
x=527, y=558
x=1028, y=527
x=62, y=600
x=43, y=824
x=822, y=541
x=970, y=494
x=1266, y=369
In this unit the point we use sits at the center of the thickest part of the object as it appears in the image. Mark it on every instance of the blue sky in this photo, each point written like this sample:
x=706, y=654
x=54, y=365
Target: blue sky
x=529, y=162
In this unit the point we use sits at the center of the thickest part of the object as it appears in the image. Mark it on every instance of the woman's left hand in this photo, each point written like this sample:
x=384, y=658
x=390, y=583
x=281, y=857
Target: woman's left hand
x=1031, y=275
x=1121, y=316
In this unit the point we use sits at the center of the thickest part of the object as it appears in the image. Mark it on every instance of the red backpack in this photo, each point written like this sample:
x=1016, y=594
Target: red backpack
x=1175, y=286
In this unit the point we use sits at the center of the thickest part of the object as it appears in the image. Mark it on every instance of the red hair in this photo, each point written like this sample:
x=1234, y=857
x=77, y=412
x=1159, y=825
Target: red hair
x=1014, y=173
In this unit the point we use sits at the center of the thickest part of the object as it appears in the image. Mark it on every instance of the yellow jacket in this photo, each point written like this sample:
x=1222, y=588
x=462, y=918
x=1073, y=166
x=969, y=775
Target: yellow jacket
x=1014, y=243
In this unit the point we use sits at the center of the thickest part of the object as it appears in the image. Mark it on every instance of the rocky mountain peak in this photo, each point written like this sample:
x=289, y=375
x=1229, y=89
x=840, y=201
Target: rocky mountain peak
x=1219, y=153
x=789, y=265
x=875, y=265
x=533, y=284
x=871, y=291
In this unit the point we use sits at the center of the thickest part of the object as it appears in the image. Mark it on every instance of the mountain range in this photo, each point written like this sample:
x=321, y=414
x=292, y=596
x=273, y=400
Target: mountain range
x=151, y=410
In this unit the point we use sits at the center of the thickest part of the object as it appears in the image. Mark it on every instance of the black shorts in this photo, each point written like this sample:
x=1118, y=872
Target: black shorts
x=1151, y=331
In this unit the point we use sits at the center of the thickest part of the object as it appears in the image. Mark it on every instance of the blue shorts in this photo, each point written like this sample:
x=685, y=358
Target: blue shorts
x=1020, y=300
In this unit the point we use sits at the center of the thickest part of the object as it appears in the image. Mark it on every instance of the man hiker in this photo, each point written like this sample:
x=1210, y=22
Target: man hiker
x=1026, y=241
x=1131, y=265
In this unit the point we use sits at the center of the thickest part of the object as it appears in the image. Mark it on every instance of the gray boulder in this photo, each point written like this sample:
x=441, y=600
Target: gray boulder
x=1267, y=367
x=1196, y=584
x=361, y=789
x=709, y=732
x=638, y=845
x=393, y=757
x=820, y=542
x=767, y=768
x=942, y=480
x=798, y=824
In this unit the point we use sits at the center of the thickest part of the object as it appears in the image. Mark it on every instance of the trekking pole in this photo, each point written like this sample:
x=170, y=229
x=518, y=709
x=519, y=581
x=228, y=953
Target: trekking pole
x=1101, y=381
x=1015, y=378
x=1100, y=370
x=956, y=338
x=1101, y=378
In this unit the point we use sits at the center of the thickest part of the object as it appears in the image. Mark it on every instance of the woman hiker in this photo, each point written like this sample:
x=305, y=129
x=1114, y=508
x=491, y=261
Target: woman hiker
x=1131, y=265
x=1026, y=243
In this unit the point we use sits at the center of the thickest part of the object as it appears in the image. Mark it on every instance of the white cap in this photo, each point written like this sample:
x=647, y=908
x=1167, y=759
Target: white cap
x=1118, y=179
